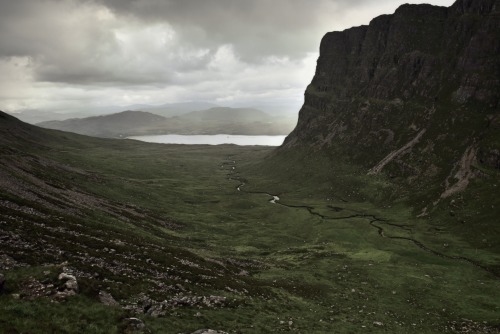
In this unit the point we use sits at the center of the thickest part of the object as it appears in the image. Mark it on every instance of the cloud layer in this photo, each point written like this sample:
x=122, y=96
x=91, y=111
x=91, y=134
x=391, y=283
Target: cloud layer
x=64, y=54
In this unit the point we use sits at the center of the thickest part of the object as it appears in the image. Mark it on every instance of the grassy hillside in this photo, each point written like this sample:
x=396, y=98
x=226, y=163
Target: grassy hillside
x=185, y=237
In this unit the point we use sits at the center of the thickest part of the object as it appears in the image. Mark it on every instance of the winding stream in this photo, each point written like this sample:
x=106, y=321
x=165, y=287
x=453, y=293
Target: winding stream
x=371, y=218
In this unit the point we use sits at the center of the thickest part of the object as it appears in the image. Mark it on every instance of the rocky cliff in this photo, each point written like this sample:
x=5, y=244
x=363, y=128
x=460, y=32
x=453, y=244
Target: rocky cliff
x=414, y=95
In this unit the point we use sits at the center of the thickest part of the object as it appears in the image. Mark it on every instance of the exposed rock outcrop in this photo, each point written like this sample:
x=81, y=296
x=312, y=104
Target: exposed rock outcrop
x=107, y=299
x=70, y=286
x=408, y=94
x=134, y=326
x=208, y=331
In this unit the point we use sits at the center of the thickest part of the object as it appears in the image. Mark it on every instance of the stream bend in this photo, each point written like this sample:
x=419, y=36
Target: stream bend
x=372, y=220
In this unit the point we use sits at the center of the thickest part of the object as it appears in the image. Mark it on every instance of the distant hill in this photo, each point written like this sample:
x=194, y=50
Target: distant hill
x=243, y=121
x=176, y=109
x=114, y=125
x=34, y=116
x=228, y=115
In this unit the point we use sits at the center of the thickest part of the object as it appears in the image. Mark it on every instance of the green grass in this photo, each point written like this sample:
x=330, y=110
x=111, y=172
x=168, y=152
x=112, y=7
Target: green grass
x=307, y=274
x=77, y=315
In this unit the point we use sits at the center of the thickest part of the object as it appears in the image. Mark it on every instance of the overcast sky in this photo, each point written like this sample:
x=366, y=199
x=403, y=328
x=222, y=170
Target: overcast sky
x=62, y=55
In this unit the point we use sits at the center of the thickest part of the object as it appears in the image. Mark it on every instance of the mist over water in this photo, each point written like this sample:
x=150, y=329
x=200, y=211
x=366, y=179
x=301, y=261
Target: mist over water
x=213, y=139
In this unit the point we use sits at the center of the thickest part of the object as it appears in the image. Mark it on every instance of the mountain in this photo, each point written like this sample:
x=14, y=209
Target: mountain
x=413, y=96
x=176, y=109
x=34, y=116
x=114, y=125
x=244, y=121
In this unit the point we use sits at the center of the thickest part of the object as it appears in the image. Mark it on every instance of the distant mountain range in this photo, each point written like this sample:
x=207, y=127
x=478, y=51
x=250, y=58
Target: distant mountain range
x=34, y=116
x=174, y=109
x=243, y=121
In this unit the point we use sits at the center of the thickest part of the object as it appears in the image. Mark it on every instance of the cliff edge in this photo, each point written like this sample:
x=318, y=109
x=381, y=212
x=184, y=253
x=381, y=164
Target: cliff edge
x=414, y=95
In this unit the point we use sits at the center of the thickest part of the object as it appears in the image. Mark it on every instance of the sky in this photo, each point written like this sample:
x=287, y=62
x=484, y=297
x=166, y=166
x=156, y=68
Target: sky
x=68, y=55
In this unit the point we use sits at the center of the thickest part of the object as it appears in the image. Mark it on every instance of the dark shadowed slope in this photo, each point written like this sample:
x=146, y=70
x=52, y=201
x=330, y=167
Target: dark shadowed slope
x=414, y=96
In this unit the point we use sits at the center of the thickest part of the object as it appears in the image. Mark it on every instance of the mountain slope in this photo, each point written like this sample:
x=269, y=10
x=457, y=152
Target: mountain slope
x=414, y=96
x=80, y=228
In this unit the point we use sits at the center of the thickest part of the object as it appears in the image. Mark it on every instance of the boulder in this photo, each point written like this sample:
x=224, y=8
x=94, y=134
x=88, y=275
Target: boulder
x=134, y=326
x=70, y=287
x=71, y=283
x=107, y=299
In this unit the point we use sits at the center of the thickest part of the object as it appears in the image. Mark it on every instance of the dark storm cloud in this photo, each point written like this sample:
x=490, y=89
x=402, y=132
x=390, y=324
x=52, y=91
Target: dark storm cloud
x=78, y=42
x=75, y=42
x=156, y=41
x=256, y=28
x=157, y=51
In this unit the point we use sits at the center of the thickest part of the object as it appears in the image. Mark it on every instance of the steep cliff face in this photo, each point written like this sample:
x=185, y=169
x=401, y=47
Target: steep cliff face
x=415, y=95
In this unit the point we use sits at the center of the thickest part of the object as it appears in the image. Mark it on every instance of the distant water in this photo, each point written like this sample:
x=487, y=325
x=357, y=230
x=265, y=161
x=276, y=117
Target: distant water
x=213, y=139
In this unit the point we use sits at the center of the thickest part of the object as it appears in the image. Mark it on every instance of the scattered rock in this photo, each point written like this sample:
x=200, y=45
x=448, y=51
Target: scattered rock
x=145, y=305
x=70, y=286
x=208, y=331
x=107, y=299
x=71, y=283
x=157, y=310
x=7, y=263
x=378, y=323
x=134, y=326
x=118, y=242
x=469, y=326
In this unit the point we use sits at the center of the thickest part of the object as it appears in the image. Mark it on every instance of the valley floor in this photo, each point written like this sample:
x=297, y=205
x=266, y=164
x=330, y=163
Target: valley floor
x=193, y=237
